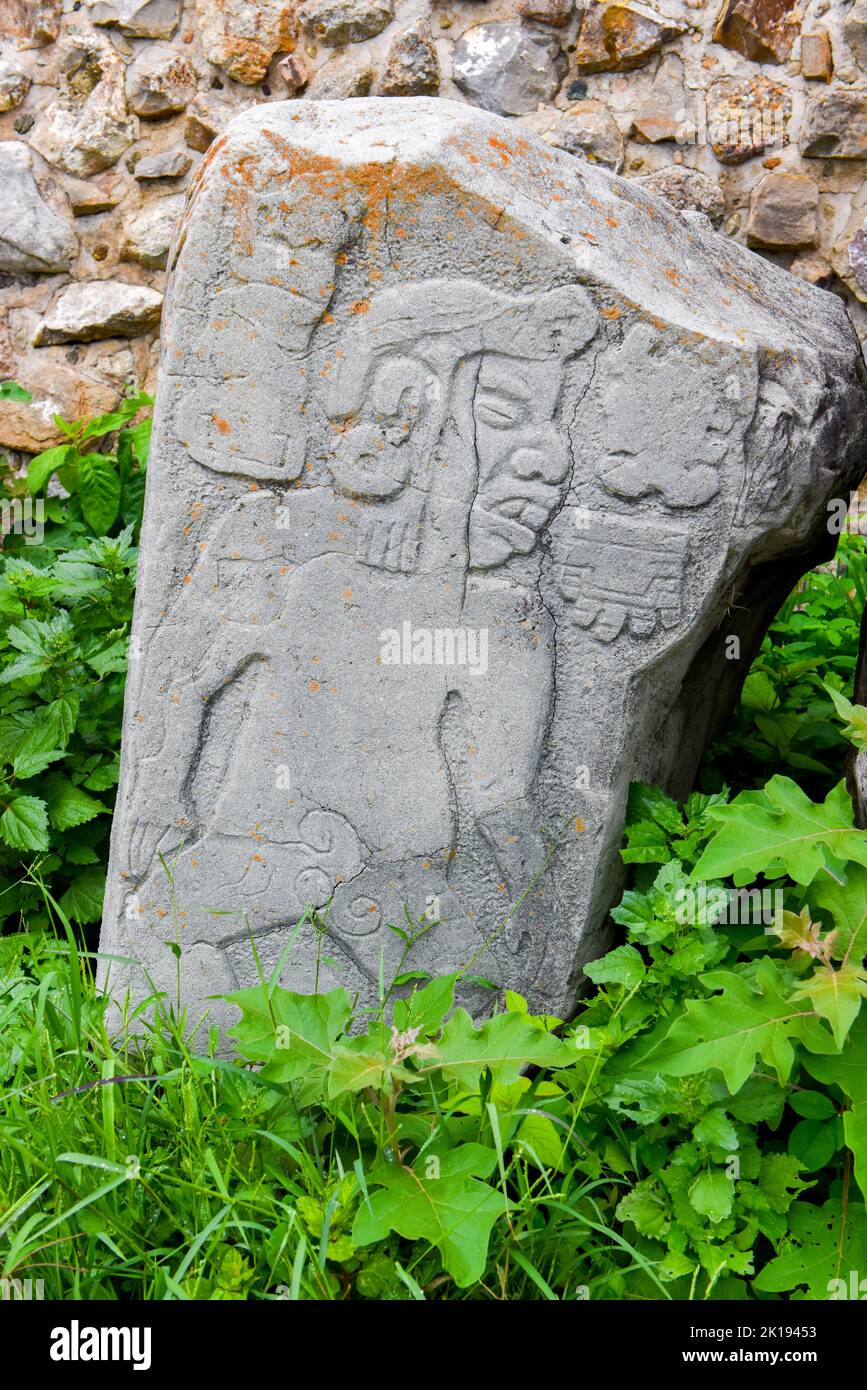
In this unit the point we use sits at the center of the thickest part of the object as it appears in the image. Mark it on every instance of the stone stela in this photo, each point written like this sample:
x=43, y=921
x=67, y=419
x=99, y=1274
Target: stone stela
x=428, y=382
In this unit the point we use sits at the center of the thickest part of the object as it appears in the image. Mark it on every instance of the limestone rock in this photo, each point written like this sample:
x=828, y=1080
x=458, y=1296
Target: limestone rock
x=242, y=36
x=835, y=126
x=615, y=36
x=855, y=32
x=746, y=117
x=507, y=68
x=762, y=30
x=14, y=83
x=206, y=117
x=554, y=12
x=88, y=199
x=586, y=129
x=817, y=62
x=412, y=68
x=168, y=164
x=148, y=235
x=439, y=560
x=87, y=128
x=33, y=239
x=783, y=211
x=93, y=309
x=335, y=22
x=688, y=190
x=159, y=82
x=662, y=114
x=346, y=75
x=140, y=19
x=31, y=23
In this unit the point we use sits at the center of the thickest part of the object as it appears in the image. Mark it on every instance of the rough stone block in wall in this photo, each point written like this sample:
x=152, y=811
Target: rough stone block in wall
x=461, y=449
x=116, y=102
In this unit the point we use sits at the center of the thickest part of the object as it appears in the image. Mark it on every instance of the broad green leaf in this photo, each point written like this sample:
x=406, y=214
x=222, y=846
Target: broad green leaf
x=781, y=831
x=45, y=464
x=24, y=824
x=847, y=904
x=854, y=717
x=426, y=1008
x=505, y=1044
x=82, y=901
x=826, y=1244
x=732, y=1028
x=622, y=966
x=648, y=1207
x=69, y=805
x=814, y=1143
x=358, y=1063
x=46, y=737
x=293, y=1034
x=116, y=419
x=454, y=1211
x=848, y=1070
x=11, y=391
x=712, y=1195
x=835, y=995
x=99, y=491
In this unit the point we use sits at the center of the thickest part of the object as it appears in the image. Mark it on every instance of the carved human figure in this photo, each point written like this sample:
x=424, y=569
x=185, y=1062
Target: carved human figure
x=447, y=455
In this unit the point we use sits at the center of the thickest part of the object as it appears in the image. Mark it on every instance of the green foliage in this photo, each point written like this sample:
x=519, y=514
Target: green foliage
x=65, y=611
x=785, y=720
x=698, y=1131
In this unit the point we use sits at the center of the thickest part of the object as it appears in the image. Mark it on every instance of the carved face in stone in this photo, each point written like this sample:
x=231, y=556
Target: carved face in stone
x=454, y=392
x=655, y=447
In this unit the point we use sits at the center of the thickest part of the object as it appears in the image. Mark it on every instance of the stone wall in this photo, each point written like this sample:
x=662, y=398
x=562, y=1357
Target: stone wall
x=752, y=111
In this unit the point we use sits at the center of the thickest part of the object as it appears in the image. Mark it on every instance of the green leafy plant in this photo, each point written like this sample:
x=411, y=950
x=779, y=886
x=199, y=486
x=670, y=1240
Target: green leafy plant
x=65, y=611
x=784, y=721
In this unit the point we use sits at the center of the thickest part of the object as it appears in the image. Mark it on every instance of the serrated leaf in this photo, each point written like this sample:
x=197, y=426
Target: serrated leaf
x=69, y=805
x=622, y=966
x=99, y=490
x=24, y=824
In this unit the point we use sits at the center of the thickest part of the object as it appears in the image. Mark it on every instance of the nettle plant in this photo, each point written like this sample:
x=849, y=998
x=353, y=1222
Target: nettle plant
x=699, y=1130
x=65, y=609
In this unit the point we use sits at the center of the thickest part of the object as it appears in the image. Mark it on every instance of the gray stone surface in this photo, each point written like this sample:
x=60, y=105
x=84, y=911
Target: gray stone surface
x=88, y=127
x=93, y=309
x=433, y=389
x=345, y=21
x=688, y=190
x=507, y=68
x=32, y=237
x=159, y=82
x=141, y=19
x=148, y=235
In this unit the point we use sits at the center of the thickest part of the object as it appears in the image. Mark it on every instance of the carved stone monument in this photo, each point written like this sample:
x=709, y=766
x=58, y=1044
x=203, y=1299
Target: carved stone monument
x=470, y=464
